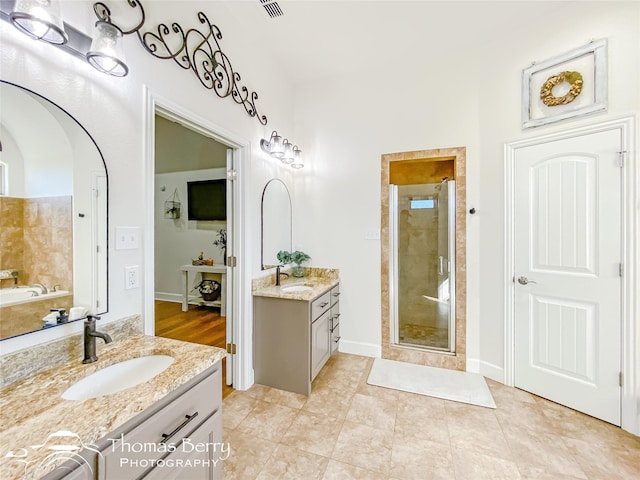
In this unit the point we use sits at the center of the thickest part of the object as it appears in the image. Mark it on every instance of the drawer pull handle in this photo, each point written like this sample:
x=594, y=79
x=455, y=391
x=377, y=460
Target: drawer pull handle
x=337, y=294
x=337, y=339
x=336, y=316
x=167, y=436
x=322, y=305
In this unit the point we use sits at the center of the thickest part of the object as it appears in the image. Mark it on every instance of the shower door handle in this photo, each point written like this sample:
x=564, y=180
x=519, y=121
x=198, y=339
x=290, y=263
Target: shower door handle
x=440, y=265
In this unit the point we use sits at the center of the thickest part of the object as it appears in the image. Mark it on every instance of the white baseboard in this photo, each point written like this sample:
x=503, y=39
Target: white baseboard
x=168, y=297
x=358, y=348
x=473, y=365
x=486, y=369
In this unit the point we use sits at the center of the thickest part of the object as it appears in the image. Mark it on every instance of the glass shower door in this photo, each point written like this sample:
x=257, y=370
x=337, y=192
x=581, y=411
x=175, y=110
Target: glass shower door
x=422, y=265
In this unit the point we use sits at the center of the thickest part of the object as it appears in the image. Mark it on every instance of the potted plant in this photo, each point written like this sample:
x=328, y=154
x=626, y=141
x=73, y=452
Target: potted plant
x=221, y=241
x=297, y=257
x=209, y=289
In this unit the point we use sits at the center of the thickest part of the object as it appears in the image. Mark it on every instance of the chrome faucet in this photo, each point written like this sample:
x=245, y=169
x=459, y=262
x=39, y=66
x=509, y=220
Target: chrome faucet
x=278, y=274
x=42, y=287
x=90, y=335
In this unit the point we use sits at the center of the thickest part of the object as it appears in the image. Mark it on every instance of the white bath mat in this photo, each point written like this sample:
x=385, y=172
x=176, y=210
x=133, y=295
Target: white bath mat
x=453, y=385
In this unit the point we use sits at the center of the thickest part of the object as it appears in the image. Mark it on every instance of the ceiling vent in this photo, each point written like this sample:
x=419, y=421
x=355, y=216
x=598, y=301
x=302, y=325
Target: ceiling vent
x=272, y=8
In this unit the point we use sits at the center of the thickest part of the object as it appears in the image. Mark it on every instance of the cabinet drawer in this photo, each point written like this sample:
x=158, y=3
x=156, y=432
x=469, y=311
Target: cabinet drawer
x=133, y=453
x=320, y=305
x=335, y=294
x=335, y=315
x=201, y=458
x=335, y=339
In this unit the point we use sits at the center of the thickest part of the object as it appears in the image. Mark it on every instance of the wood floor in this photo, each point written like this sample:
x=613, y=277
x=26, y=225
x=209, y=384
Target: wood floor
x=202, y=325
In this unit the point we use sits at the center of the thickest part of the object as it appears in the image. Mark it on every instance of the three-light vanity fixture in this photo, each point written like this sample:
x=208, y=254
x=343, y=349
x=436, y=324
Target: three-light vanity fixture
x=283, y=150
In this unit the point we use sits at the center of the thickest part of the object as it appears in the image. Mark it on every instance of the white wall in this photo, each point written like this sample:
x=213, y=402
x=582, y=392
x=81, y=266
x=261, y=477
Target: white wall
x=179, y=241
x=378, y=114
x=41, y=168
x=472, y=100
x=112, y=110
x=11, y=156
x=499, y=101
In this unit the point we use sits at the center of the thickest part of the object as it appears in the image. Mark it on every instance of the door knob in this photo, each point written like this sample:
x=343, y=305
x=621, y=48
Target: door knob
x=525, y=281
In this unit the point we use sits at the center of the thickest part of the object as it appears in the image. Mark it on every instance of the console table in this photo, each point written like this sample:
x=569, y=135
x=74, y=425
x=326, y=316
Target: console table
x=197, y=299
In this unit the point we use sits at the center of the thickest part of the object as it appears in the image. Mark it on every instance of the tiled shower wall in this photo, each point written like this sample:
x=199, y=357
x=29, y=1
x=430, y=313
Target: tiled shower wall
x=36, y=235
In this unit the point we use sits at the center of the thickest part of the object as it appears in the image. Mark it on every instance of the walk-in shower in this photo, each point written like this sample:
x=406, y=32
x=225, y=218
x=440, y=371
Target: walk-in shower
x=422, y=265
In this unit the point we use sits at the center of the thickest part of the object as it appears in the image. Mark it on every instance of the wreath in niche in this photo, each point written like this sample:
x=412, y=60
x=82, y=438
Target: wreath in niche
x=574, y=79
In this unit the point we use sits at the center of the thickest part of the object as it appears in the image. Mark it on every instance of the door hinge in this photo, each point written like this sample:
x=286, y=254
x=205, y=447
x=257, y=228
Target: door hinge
x=621, y=158
x=231, y=348
x=620, y=379
x=232, y=174
x=232, y=261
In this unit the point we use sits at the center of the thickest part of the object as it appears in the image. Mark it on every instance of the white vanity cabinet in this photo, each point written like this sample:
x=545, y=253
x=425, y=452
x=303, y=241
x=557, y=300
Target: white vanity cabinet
x=179, y=436
x=293, y=339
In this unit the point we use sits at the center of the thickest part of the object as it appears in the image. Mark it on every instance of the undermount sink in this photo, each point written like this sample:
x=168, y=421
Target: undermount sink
x=120, y=376
x=297, y=288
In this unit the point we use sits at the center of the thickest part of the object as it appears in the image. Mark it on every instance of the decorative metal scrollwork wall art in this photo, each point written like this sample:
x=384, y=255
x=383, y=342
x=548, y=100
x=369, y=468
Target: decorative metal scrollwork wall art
x=195, y=50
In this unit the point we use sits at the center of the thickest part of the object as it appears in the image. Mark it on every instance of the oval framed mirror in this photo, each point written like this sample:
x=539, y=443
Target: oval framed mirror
x=276, y=219
x=53, y=216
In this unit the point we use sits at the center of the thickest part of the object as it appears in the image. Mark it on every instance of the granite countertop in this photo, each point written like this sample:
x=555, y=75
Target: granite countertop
x=32, y=409
x=319, y=280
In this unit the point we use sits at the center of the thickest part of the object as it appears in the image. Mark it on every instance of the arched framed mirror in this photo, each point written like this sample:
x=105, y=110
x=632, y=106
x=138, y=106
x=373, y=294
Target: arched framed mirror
x=276, y=218
x=53, y=215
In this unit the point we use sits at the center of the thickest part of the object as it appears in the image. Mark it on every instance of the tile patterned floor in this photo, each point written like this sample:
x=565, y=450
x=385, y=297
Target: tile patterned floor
x=347, y=429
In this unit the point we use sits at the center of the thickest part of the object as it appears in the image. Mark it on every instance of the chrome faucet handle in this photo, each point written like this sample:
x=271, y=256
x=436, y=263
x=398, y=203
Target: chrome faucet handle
x=42, y=287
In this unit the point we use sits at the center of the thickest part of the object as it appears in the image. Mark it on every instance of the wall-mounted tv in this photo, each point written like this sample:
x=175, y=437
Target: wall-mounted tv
x=207, y=200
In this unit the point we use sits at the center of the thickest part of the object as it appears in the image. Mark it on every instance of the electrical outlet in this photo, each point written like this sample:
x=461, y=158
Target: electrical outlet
x=131, y=277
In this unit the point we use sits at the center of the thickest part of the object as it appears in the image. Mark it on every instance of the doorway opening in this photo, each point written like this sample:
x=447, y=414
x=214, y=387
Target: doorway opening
x=193, y=288
x=422, y=263
x=423, y=257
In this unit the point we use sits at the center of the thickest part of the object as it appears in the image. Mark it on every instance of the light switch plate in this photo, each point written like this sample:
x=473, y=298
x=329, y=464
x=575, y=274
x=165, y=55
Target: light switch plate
x=127, y=238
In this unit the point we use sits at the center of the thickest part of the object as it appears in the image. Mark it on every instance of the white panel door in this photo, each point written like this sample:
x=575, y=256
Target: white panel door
x=568, y=238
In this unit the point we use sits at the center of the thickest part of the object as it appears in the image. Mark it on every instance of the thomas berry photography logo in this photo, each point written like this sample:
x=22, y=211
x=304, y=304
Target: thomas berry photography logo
x=57, y=449
x=186, y=453
x=66, y=450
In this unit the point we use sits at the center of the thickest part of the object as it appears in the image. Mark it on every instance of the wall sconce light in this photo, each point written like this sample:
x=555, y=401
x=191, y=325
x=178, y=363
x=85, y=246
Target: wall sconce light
x=106, y=53
x=273, y=146
x=40, y=19
x=298, y=162
x=282, y=149
x=287, y=157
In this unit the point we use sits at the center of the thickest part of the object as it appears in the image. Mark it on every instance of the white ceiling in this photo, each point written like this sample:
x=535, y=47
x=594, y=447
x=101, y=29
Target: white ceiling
x=320, y=38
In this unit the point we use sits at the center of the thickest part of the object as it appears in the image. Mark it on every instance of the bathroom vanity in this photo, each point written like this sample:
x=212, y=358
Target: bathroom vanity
x=170, y=423
x=182, y=429
x=296, y=330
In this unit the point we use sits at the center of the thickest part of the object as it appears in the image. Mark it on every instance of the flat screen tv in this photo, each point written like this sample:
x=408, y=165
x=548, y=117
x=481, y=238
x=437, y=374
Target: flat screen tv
x=207, y=200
